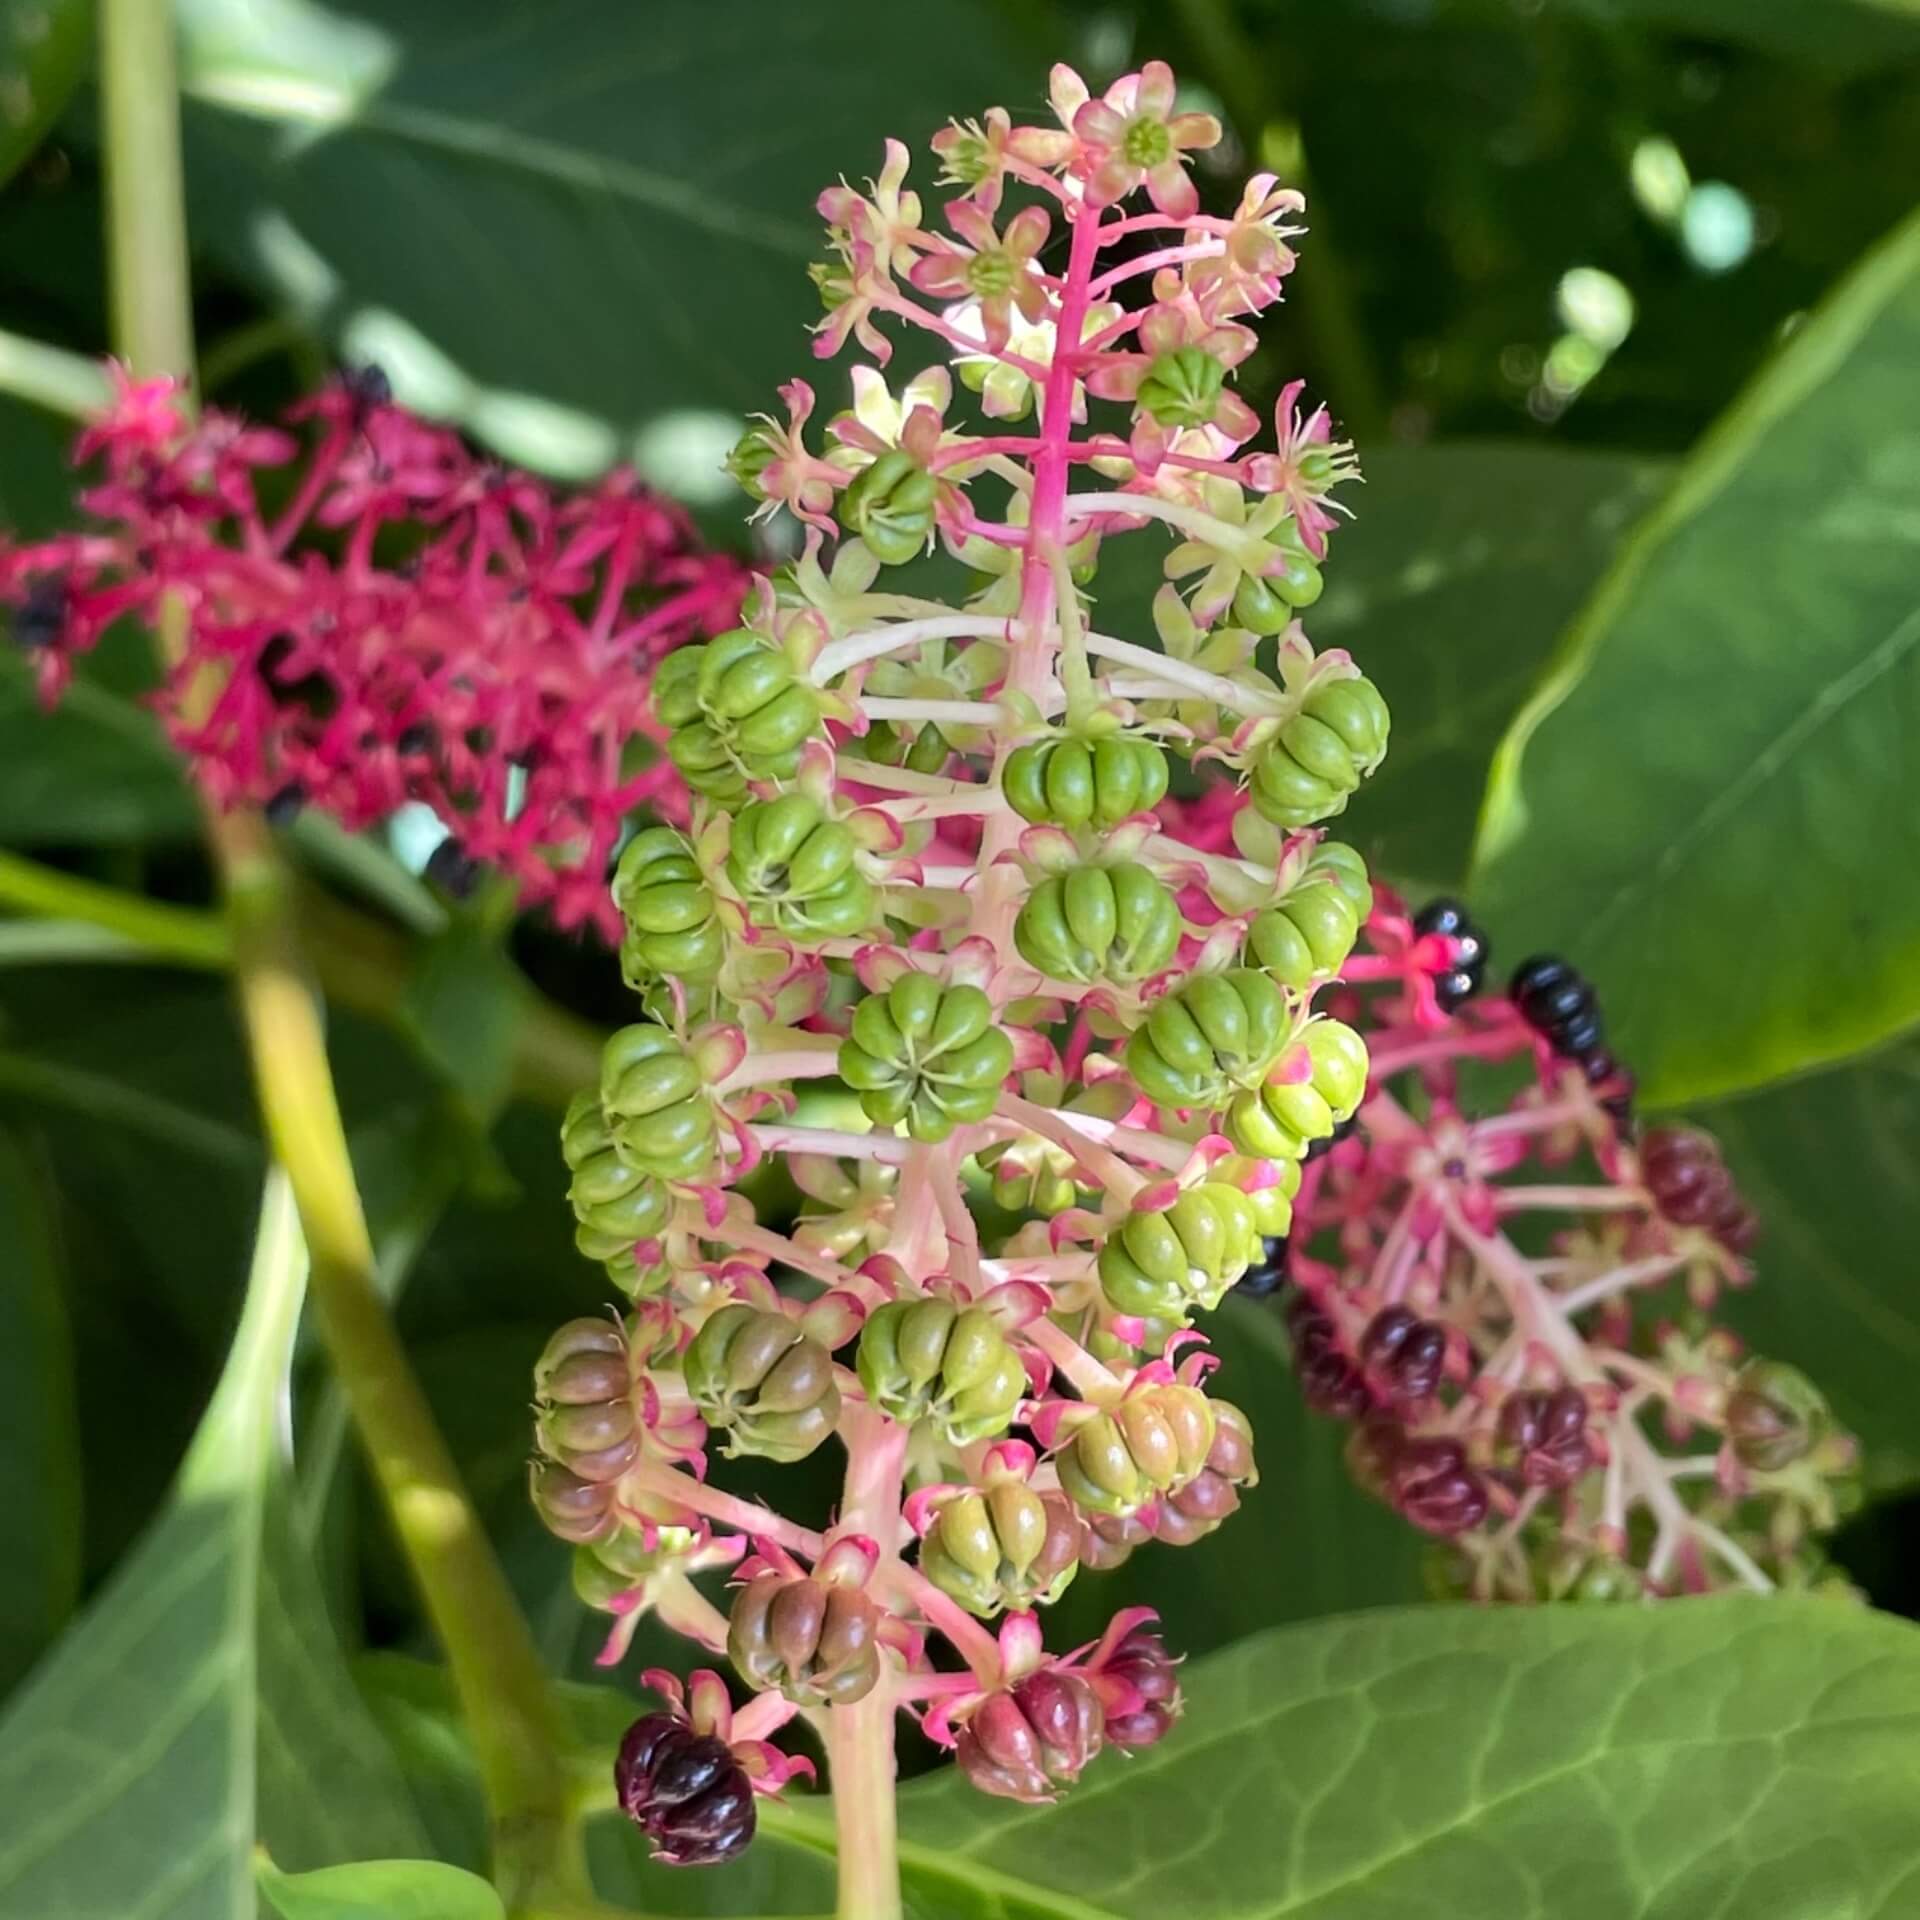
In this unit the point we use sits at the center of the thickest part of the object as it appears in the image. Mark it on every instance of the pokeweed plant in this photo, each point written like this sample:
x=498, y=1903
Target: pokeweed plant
x=924, y=861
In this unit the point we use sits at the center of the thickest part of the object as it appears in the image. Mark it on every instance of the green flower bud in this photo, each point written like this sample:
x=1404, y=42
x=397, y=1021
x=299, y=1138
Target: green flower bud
x=662, y=896
x=890, y=506
x=657, y=1109
x=1775, y=1416
x=1080, y=783
x=815, y=1641
x=615, y=1204
x=752, y=454
x=1321, y=755
x=734, y=711
x=1162, y=1265
x=1279, y=1121
x=1182, y=388
x=1151, y=1443
x=1217, y=1031
x=926, y=1054
x=794, y=870
x=754, y=1373
x=1114, y=923
x=1305, y=936
x=1003, y=1546
x=932, y=1360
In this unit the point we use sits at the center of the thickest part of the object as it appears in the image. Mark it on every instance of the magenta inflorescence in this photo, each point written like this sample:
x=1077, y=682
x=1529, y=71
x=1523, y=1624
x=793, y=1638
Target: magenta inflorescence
x=1509, y=1289
x=370, y=614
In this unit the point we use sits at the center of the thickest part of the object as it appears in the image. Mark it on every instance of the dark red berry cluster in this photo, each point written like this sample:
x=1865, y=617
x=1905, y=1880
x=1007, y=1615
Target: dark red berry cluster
x=685, y=1791
x=1693, y=1187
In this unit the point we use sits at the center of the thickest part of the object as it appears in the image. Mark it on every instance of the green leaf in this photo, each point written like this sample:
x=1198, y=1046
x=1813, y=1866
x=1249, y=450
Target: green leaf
x=1828, y=1163
x=1711, y=804
x=39, y=1432
x=43, y=52
x=463, y=1006
x=379, y=1890
x=1461, y=566
x=128, y=1763
x=556, y=223
x=1758, y=1757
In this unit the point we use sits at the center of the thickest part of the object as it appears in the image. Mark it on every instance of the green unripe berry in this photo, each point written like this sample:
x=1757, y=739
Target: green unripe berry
x=734, y=711
x=794, y=870
x=926, y=1054
x=1079, y=783
x=1280, y=1119
x=1161, y=1265
x=1152, y=1442
x=657, y=1109
x=952, y=1366
x=615, y=1203
x=1114, y=923
x=663, y=897
x=1216, y=1031
x=1775, y=1416
x=890, y=505
x=1321, y=754
x=1182, y=388
x=1004, y=1546
x=754, y=1373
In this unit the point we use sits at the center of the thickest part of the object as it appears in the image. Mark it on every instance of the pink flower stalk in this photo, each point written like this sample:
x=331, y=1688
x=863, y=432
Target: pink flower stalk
x=1511, y=1298
x=924, y=923
x=374, y=615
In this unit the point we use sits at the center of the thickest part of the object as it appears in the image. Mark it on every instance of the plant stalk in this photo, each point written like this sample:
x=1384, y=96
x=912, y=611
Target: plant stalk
x=495, y=1667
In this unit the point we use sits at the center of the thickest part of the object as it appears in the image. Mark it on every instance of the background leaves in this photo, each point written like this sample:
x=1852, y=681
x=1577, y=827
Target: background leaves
x=1703, y=799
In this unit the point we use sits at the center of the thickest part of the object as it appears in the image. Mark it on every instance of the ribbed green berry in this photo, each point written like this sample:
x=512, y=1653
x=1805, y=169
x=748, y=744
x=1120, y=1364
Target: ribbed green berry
x=671, y=929
x=1152, y=1442
x=583, y=1384
x=1003, y=1546
x=734, y=711
x=935, y=1361
x=1336, y=861
x=1116, y=923
x=926, y=1054
x=1182, y=387
x=1266, y=603
x=1272, y=1201
x=1217, y=1031
x=1321, y=755
x=614, y=1204
x=1081, y=783
x=1161, y=1265
x=657, y=1109
x=794, y=870
x=890, y=506
x=754, y=1373
x=1306, y=935
x=1279, y=1121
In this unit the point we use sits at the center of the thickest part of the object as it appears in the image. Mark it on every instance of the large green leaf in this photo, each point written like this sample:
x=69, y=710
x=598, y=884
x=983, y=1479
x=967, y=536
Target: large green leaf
x=39, y=1434
x=381, y=1890
x=200, y=1700
x=1729, y=1756
x=1711, y=803
x=1828, y=1162
x=588, y=206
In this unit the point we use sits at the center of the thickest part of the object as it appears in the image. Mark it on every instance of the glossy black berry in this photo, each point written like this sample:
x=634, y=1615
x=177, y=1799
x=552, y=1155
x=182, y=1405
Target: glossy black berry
x=1537, y=975
x=1444, y=915
x=1268, y=1273
x=1580, y=1036
x=368, y=387
x=1551, y=1007
x=1448, y=917
x=451, y=870
x=283, y=809
x=1455, y=989
x=42, y=617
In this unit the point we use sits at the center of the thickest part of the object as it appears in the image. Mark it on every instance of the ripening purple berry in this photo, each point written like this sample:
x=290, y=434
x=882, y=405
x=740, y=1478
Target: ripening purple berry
x=1404, y=1355
x=1545, y=1435
x=685, y=1791
x=1433, y=1486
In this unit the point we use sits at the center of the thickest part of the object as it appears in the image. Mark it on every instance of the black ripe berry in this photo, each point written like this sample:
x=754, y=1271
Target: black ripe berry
x=685, y=1791
x=283, y=808
x=1461, y=981
x=43, y=614
x=1267, y=1274
x=1561, y=1007
x=453, y=871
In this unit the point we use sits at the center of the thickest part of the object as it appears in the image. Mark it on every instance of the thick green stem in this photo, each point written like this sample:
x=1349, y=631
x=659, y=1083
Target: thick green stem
x=496, y=1669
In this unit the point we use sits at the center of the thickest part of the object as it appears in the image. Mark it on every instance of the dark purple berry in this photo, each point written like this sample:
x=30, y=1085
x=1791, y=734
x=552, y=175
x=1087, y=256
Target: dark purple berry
x=1433, y=1486
x=417, y=738
x=1692, y=1187
x=1404, y=1355
x=368, y=387
x=1330, y=1383
x=685, y=1791
x=1545, y=1435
